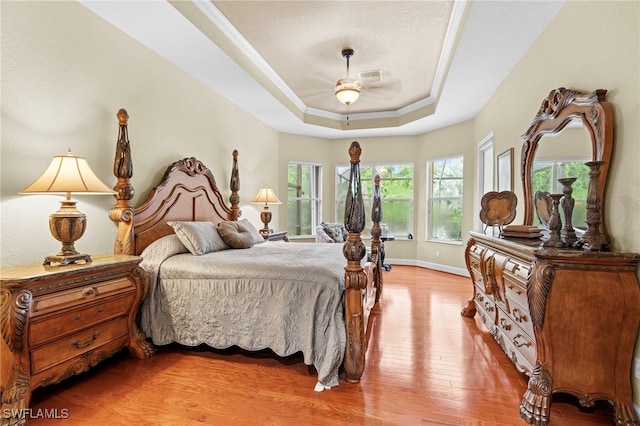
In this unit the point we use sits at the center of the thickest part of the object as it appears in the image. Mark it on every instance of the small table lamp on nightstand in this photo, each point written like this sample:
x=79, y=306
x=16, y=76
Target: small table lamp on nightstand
x=266, y=196
x=67, y=174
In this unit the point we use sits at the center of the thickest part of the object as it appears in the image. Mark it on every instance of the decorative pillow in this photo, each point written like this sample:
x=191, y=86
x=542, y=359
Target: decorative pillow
x=257, y=236
x=199, y=237
x=336, y=231
x=236, y=234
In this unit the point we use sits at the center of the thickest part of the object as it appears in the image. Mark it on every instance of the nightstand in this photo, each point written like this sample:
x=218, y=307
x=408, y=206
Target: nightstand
x=57, y=321
x=278, y=236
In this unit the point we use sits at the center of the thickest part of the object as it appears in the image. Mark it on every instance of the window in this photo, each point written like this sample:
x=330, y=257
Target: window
x=547, y=172
x=444, y=209
x=485, y=173
x=303, y=197
x=396, y=189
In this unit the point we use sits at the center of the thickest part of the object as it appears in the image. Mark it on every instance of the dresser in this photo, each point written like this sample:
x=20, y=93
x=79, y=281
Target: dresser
x=567, y=318
x=57, y=321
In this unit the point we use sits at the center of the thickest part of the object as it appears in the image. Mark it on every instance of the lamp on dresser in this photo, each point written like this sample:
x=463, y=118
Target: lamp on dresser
x=66, y=174
x=266, y=196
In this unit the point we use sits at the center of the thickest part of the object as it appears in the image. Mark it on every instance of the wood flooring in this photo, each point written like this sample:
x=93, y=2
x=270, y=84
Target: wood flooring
x=425, y=365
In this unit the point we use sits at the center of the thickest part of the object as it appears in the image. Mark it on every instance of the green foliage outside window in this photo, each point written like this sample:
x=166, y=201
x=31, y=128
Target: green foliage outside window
x=396, y=188
x=303, y=202
x=545, y=178
x=445, y=199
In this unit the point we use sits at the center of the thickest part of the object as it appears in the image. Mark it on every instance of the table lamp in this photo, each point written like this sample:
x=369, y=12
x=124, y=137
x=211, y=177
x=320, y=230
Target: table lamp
x=266, y=196
x=66, y=174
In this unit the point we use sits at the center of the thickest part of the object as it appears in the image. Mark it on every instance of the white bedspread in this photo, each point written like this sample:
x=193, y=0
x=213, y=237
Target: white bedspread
x=284, y=296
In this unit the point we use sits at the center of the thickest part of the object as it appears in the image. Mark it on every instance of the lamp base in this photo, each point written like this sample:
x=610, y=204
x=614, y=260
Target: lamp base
x=66, y=259
x=265, y=216
x=67, y=225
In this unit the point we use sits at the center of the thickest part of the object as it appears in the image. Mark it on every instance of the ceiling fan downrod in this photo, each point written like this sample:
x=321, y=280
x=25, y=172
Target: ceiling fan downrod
x=347, y=89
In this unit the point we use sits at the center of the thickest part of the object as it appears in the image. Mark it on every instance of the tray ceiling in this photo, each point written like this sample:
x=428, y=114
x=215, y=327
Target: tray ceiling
x=440, y=61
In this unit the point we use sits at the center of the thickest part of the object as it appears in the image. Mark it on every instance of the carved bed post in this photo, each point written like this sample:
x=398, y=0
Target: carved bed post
x=377, y=248
x=234, y=185
x=355, y=278
x=122, y=211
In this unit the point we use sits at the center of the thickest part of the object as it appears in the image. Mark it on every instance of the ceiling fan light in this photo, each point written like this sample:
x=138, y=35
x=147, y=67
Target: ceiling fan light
x=348, y=90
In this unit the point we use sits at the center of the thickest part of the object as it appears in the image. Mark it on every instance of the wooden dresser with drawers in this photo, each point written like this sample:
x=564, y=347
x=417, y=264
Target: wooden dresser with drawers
x=567, y=318
x=57, y=321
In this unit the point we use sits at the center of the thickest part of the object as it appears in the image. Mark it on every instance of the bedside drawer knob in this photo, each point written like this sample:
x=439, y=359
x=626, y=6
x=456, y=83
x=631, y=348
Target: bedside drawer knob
x=87, y=343
x=89, y=291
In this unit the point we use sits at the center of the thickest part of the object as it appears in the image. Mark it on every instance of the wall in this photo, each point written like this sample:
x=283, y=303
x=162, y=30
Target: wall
x=65, y=74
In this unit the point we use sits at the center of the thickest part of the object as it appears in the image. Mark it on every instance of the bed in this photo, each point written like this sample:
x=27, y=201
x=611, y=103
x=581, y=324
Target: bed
x=289, y=297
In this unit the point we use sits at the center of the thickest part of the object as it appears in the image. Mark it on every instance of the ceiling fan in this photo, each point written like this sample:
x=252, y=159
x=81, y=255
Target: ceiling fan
x=348, y=90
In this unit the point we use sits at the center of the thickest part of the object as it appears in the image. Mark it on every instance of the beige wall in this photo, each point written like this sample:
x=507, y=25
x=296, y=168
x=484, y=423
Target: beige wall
x=65, y=74
x=588, y=46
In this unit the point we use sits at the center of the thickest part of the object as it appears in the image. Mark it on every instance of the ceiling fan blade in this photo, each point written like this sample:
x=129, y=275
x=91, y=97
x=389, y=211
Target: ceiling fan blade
x=314, y=87
x=385, y=89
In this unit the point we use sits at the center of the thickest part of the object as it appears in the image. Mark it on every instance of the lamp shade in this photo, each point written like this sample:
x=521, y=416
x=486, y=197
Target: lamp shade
x=348, y=90
x=68, y=173
x=266, y=196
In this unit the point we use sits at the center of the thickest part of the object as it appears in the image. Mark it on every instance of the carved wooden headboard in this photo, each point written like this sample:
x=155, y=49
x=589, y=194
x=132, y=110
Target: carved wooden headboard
x=187, y=192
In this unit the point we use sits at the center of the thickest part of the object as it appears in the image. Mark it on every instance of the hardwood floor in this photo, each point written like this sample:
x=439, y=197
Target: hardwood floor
x=426, y=365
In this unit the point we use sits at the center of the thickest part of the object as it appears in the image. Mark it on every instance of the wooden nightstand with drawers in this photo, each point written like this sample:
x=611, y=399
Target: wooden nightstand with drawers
x=57, y=321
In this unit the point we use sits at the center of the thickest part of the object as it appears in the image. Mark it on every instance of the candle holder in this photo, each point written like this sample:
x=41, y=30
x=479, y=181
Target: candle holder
x=593, y=239
x=555, y=223
x=567, y=233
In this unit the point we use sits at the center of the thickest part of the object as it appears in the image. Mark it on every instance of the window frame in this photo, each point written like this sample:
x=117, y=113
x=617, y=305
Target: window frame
x=429, y=207
x=315, y=199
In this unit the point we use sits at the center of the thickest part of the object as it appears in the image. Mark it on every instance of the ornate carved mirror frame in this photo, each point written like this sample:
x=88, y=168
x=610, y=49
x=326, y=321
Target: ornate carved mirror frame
x=558, y=109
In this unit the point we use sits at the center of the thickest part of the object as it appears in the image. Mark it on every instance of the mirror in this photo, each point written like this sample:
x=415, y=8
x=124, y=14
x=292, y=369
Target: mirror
x=562, y=155
x=568, y=115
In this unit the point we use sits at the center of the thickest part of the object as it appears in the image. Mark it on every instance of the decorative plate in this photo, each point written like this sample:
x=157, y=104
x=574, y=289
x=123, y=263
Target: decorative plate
x=543, y=204
x=498, y=208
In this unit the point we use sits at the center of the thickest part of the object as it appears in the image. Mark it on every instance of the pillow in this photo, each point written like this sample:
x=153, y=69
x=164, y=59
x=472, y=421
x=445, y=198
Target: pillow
x=199, y=237
x=163, y=248
x=335, y=231
x=237, y=234
x=257, y=236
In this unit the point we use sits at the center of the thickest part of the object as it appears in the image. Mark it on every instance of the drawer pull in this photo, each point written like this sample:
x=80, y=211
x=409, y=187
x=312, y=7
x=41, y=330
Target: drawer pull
x=89, y=291
x=518, y=316
x=511, y=287
x=87, y=343
x=100, y=309
x=504, y=324
x=78, y=316
x=480, y=298
x=519, y=344
x=488, y=307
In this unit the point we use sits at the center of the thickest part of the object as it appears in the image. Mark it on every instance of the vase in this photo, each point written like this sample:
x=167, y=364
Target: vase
x=555, y=223
x=567, y=233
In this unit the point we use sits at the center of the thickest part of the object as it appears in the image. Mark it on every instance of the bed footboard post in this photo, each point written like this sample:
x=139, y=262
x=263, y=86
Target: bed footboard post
x=377, y=248
x=355, y=278
x=234, y=185
x=122, y=211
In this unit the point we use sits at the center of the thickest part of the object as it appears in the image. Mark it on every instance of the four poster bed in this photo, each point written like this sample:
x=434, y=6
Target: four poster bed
x=288, y=297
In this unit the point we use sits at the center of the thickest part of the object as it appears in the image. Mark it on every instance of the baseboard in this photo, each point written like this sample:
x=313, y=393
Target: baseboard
x=428, y=265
